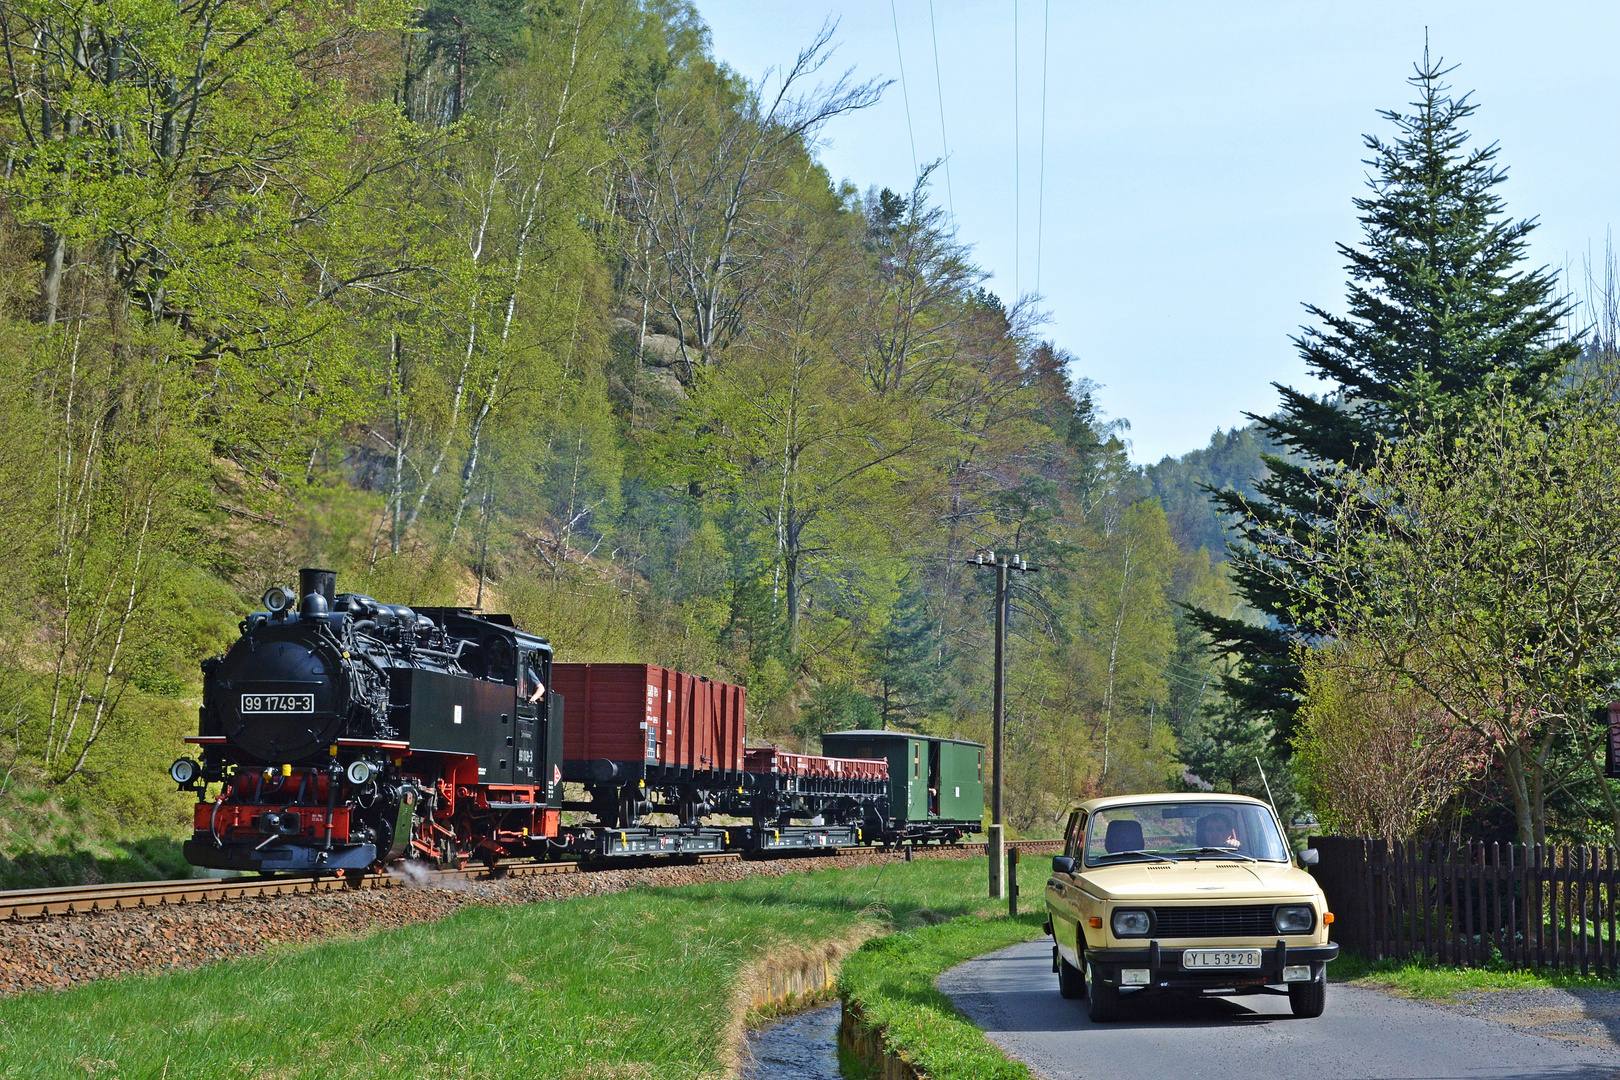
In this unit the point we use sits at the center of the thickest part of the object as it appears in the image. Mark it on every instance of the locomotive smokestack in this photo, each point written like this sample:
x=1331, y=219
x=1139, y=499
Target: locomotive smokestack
x=318, y=581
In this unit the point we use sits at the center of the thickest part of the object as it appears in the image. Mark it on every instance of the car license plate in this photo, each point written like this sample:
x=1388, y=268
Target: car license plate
x=1221, y=958
x=278, y=703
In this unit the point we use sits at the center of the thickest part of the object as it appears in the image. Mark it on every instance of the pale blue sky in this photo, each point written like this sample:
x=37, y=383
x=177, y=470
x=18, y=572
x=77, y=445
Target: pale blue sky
x=1200, y=159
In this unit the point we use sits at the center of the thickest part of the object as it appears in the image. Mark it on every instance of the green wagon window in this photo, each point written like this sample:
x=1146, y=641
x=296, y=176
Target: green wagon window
x=916, y=759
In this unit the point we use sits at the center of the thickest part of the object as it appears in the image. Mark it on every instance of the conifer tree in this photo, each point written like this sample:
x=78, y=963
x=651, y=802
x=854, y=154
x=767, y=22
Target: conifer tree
x=903, y=658
x=1439, y=311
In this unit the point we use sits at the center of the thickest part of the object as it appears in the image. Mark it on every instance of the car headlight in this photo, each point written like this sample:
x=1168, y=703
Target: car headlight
x=183, y=771
x=1132, y=923
x=1296, y=919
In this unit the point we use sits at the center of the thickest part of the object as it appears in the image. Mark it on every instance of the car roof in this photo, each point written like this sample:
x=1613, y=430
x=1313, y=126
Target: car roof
x=1091, y=806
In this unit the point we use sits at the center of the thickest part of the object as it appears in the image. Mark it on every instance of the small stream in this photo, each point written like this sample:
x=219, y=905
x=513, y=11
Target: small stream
x=799, y=1047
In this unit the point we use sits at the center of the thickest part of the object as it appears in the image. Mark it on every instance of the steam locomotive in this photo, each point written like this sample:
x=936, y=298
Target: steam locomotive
x=348, y=733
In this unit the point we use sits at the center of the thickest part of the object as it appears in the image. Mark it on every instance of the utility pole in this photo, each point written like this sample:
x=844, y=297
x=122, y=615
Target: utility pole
x=996, y=844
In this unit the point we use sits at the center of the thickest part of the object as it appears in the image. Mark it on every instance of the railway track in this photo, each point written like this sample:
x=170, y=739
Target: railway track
x=85, y=899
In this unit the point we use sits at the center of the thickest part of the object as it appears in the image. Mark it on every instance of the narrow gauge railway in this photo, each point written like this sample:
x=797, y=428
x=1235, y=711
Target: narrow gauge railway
x=348, y=735
x=86, y=899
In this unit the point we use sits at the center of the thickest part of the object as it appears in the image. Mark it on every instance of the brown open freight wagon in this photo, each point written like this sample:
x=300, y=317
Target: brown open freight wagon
x=648, y=723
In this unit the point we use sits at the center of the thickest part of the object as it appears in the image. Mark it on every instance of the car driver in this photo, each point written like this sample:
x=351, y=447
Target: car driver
x=1217, y=831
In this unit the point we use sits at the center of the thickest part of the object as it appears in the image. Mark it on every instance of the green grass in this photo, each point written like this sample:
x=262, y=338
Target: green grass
x=892, y=980
x=1431, y=980
x=50, y=838
x=636, y=984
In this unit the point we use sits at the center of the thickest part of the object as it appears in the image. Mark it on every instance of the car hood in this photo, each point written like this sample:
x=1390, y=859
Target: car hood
x=1197, y=879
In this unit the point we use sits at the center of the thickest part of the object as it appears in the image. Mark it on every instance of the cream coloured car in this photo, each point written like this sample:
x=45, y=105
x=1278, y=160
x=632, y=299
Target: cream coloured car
x=1187, y=893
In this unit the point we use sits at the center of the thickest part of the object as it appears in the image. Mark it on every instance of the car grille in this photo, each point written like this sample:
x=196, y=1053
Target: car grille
x=1228, y=920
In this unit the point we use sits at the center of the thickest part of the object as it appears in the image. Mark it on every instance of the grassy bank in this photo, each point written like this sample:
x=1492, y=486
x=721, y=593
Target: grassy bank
x=634, y=984
x=1434, y=981
x=50, y=838
x=891, y=980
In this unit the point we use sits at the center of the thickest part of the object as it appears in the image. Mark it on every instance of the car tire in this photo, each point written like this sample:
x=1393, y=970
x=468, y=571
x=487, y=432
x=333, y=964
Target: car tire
x=1071, y=983
x=1102, y=1003
x=1309, y=999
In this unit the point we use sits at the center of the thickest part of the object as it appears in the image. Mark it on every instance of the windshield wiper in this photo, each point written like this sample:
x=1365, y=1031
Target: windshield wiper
x=1144, y=854
x=1227, y=852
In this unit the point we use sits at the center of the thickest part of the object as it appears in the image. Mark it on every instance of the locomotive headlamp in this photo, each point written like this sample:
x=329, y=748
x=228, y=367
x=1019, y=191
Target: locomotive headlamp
x=278, y=599
x=184, y=771
x=361, y=771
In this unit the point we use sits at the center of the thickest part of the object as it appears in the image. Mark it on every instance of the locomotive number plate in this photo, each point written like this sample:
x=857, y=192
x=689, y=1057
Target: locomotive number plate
x=278, y=703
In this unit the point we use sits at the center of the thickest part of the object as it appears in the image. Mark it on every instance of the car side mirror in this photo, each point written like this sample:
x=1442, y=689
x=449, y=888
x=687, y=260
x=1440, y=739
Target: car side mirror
x=1310, y=857
x=1062, y=864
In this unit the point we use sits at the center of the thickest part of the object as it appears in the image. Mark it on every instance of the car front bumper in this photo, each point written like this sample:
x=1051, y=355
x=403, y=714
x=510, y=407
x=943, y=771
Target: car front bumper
x=1165, y=971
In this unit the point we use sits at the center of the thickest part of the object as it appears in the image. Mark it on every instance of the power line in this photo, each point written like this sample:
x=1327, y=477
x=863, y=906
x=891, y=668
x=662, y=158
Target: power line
x=1040, y=190
x=939, y=87
x=904, y=96
x=1017, y=229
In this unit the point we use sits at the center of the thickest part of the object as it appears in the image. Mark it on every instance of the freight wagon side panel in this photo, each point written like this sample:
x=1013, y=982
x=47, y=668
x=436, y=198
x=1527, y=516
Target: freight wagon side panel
x=608, y=710
x=642, y=713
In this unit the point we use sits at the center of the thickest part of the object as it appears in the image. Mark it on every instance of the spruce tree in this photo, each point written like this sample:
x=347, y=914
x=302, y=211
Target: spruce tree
x=904, y=665
x=1439, y=312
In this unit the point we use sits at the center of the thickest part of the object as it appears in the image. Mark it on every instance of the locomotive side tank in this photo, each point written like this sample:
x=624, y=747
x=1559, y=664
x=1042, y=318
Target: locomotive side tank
x=347, y=733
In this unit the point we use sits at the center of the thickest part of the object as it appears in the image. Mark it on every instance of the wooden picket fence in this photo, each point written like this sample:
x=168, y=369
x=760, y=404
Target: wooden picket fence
x=1473, y=904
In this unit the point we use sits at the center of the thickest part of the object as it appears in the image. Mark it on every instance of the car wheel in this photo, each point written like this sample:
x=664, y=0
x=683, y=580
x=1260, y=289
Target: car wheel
x=1103, y=999
x=1071, y=984
x=1308, y=999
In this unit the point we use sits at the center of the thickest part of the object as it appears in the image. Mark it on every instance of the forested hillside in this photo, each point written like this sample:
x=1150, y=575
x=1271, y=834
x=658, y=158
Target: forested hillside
x=546, y=309
x=1233, y=461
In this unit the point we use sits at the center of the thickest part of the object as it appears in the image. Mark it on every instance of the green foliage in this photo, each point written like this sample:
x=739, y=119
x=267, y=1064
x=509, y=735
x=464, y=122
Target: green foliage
x=891, y=981
x=1234, y=461
x=1373, y=755
x=1474, y=562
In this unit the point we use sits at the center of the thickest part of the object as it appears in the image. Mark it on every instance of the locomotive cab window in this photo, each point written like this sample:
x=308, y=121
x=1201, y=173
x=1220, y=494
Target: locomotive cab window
x=530, y=686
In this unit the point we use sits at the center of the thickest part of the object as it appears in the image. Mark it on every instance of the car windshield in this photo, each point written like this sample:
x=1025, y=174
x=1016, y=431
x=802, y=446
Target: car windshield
x=1191, y=830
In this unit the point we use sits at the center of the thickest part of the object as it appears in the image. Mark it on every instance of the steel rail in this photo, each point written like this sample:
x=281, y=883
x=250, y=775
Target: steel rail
x=85, y=899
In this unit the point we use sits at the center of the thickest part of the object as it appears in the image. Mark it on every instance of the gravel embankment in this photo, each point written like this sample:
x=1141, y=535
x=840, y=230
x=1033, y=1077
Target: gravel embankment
x=62, y=950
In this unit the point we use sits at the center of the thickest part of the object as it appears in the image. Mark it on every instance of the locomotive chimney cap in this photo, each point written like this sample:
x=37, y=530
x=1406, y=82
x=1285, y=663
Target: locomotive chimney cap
x=324, y=582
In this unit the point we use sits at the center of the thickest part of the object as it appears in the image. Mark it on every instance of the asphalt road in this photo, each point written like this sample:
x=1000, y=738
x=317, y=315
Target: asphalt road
x=1364, y=1035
